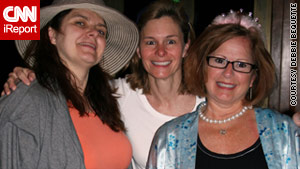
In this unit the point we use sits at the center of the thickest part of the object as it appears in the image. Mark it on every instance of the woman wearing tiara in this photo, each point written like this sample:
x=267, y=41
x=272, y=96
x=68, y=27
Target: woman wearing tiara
x=230, y=66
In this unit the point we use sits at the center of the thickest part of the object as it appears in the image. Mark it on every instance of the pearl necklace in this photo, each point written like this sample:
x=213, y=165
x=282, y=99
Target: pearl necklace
x=206, y=119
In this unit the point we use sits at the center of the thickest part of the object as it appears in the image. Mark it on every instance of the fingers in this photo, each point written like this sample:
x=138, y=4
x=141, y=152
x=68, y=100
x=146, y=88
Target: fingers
x=22, y=74
x=296, y=118
x=19, y=73
x=8, y=86
x=31, y=75
x=6, y=90
x=10, y=83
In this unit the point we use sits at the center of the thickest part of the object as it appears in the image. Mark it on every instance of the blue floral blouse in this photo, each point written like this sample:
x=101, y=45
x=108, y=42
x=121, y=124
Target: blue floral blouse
x=175, y=143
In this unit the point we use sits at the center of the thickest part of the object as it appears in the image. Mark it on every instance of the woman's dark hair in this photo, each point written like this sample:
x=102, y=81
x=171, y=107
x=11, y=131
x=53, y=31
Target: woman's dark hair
x=52, y=74
x=157, y=9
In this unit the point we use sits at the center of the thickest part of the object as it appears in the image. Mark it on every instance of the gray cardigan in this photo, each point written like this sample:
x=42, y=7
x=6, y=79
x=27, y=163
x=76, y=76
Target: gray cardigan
x=36, y=131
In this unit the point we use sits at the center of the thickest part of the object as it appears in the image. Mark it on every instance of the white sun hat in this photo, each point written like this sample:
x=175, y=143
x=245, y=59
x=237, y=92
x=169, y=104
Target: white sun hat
x=122, y=39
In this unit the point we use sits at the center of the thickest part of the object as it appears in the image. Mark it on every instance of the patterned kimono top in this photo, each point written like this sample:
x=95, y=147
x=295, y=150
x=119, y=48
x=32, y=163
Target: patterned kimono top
x=175, y=143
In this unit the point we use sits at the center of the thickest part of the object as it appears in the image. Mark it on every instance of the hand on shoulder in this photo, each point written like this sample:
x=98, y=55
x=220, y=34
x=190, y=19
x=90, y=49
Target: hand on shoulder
x=19, y=74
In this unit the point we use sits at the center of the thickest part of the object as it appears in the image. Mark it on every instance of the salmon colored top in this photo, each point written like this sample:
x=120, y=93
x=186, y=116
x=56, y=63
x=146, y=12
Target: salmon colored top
x=102, y=147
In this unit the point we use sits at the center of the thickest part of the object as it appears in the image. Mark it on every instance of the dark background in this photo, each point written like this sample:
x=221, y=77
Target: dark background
x=204, y=12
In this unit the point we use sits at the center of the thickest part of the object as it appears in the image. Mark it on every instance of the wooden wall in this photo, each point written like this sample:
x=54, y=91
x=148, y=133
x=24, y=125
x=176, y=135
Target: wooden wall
x=280, y=51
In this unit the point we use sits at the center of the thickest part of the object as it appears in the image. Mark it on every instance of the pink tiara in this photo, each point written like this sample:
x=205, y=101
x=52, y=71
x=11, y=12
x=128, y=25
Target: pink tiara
x=238, y=17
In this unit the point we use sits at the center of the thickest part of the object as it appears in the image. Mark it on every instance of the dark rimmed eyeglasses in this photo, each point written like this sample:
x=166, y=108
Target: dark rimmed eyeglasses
x=222, y=63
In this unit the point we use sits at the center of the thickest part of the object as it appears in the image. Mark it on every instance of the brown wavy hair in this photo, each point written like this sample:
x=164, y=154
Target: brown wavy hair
x=52, y=74
x=139, y=77
x=211, y=38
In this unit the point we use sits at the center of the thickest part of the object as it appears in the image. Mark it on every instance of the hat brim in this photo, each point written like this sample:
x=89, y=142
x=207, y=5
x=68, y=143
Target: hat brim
x=122, y=38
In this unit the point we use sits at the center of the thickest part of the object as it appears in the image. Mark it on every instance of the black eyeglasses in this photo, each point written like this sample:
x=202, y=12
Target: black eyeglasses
x=222, y=63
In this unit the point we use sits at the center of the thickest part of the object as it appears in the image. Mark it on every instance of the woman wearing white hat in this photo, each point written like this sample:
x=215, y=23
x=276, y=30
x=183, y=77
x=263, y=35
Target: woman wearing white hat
x=69, y=117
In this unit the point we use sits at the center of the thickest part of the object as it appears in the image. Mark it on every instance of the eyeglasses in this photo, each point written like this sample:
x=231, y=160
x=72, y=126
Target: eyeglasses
x=222, y=63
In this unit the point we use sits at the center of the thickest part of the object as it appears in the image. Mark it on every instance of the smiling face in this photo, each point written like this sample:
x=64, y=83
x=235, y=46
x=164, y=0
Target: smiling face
x=81, y=39
x=162, y=48
x=227, y=86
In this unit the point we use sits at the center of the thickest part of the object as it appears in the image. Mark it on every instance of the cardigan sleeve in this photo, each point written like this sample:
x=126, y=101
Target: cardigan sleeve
x=20, y=130
x=19, y=149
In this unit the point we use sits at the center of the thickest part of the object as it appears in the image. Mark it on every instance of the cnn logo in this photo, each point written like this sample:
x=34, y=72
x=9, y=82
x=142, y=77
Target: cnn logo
x=23, y=14
x=20, y=20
